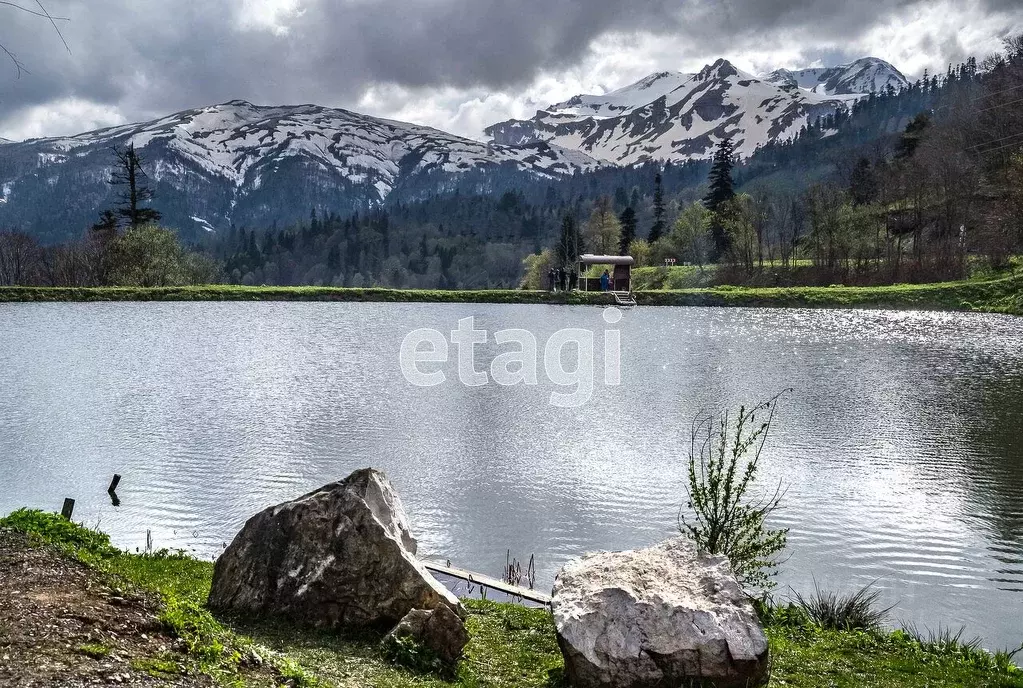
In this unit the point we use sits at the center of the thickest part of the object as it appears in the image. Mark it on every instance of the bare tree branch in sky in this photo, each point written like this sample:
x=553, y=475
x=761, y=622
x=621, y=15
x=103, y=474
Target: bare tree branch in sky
x=41, y=12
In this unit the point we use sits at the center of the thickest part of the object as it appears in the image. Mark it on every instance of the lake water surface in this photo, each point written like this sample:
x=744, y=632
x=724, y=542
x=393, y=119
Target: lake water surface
x=901, y=445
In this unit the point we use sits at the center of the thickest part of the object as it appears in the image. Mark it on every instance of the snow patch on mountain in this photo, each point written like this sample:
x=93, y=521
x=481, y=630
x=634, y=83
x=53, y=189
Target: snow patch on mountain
x=234, y=139
x=206, y=226
x=622, y=100
x=676, y=116
x=239, y=163
x=860, y=77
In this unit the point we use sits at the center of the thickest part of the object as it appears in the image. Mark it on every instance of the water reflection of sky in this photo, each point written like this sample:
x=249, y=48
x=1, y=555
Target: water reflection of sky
x=900, y=445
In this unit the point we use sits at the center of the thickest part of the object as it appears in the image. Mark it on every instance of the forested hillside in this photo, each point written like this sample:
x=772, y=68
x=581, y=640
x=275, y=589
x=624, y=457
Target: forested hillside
x=910, y=185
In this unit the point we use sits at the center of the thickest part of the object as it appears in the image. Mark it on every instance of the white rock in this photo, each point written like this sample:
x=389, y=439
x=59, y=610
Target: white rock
x=663, y=616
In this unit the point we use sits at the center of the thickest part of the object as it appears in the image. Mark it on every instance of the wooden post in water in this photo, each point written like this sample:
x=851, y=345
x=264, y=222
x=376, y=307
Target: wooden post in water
x=113, y=483
x=68, y=508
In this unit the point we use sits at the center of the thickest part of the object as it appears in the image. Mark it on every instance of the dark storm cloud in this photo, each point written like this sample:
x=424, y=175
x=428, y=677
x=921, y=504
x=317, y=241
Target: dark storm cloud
x=155, y=56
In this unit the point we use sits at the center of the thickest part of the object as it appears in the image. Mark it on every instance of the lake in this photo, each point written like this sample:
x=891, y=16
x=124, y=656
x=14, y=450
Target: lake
x=901, y=444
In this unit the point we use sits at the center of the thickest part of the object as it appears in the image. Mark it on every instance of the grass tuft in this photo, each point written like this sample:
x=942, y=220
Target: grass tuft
x=156, y=667
x=944, y=640
x=857, y=611
x=94, y=650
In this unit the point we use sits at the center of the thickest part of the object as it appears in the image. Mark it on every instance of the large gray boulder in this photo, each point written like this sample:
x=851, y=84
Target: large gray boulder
x=659, y=617
x=342, y=555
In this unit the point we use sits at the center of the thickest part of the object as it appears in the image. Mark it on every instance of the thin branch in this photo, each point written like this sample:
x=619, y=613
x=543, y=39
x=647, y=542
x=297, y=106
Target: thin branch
x=17, y=63
x=33, y=12
x=43, y=12
x=54, y=24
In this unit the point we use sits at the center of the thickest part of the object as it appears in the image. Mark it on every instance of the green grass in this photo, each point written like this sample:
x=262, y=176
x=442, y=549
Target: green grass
x=1003, y=295
x=229, y=292
x=94, y=650
x=810, y=657
x=995, y=296
x=510, y=646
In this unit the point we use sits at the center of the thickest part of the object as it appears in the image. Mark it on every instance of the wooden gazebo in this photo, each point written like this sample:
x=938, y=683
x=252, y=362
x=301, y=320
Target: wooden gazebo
x=621, y=275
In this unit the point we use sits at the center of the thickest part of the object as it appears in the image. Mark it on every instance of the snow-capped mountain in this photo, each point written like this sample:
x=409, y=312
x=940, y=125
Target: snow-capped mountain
x=867, y=75
x=675, y=116
x=623, y=100
x=239, y=162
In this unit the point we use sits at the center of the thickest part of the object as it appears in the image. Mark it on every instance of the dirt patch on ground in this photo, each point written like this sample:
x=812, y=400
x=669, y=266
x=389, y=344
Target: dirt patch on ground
x=61, y=626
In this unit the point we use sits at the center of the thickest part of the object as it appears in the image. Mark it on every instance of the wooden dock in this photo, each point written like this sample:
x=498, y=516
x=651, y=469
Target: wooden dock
x=488, y=582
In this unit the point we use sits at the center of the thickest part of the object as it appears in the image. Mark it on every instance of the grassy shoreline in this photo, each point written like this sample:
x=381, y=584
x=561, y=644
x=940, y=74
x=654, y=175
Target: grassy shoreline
x=1003, y=295
x=510, y=646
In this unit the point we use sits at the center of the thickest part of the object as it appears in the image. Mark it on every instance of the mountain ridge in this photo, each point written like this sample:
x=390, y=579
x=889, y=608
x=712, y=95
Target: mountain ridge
x=690, y=113
x=240, y=163
x=236, y=162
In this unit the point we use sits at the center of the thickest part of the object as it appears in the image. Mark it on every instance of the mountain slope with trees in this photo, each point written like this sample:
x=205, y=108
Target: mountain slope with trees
x=915, y=185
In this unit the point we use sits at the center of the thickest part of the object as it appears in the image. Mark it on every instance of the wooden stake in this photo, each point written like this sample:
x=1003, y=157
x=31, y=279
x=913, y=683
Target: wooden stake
x=68, y=509
x=113, y=483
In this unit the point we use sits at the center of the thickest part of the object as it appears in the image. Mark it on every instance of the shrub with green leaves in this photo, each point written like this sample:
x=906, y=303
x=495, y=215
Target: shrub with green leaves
x=723, y=514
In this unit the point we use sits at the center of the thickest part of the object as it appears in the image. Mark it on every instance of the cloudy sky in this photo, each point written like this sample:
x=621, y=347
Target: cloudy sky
x=453, y=64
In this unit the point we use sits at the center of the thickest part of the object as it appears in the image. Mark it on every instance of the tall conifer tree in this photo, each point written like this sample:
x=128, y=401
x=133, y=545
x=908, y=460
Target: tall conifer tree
x=628, y=221
x=657, y=230
x=722, y=190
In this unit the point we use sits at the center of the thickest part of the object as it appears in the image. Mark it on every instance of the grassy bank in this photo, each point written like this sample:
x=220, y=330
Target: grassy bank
x=510, y=646
x=1003, y=295
x=230, y=292
x=996, y=296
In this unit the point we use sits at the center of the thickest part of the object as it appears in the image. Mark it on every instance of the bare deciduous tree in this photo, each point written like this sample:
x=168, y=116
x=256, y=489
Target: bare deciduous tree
x=19, y=258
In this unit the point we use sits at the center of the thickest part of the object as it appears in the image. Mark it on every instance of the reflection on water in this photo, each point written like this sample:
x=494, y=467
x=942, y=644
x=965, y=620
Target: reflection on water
x=901, y=444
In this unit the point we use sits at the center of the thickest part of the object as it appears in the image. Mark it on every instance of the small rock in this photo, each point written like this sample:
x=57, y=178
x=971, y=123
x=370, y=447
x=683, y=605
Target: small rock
x=440, y=630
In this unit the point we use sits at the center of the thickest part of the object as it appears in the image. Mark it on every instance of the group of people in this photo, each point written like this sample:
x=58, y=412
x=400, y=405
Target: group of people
x=560, y=280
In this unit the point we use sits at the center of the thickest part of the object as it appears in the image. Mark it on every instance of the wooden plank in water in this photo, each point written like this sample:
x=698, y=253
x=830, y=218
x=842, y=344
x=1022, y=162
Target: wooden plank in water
x=488, y=582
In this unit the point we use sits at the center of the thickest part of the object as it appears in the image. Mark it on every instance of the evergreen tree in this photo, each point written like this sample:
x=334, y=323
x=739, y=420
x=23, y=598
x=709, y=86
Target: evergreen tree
x=863, y=183
x=657, y=230
x=130, y=173
x=628, y=221
x=621, y=198
x=567, y=250
x=912, y=136
x=722, y=190
x=107, y=224
x=334, y=259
